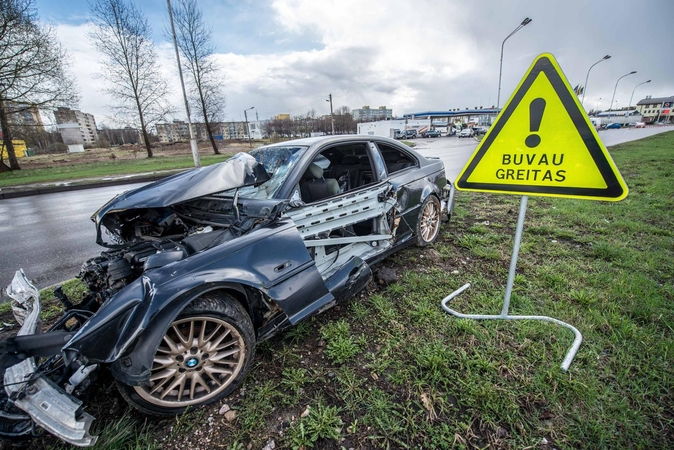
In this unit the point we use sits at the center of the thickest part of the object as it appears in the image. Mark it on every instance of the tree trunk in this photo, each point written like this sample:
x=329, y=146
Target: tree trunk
x=143, y=128
x=210, y=136
x=146, y=138
x=208, y=123
x=7, y=140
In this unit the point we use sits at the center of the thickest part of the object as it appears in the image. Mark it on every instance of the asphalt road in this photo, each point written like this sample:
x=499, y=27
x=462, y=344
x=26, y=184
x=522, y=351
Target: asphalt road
x=50, y=236
x=455, y=152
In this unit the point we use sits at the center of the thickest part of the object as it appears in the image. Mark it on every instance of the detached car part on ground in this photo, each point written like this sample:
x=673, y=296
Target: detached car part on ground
x=202, y=265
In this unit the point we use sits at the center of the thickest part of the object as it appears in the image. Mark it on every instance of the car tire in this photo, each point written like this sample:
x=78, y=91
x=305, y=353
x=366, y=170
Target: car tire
x=194, y=362
x=428, y=223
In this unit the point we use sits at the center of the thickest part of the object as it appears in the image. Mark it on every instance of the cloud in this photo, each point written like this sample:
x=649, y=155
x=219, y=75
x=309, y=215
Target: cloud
x=288, y=55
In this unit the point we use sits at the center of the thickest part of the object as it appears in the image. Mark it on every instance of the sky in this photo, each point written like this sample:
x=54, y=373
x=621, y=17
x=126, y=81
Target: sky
x=286, y=56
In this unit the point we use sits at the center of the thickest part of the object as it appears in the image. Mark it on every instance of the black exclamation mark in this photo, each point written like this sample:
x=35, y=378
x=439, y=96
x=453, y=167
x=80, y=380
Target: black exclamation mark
x=536, y=109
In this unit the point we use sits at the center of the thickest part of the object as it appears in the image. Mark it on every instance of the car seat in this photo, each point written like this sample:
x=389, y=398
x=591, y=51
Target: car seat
x=315, y=187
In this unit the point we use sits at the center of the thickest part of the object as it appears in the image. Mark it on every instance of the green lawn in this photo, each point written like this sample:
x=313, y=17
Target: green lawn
x=107, y=168
x=390, y=369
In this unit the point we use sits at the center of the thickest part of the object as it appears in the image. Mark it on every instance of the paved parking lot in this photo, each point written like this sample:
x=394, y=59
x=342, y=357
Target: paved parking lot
x=455, y=152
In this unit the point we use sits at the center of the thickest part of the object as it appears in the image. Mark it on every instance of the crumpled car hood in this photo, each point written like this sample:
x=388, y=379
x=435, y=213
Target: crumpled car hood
x=238, y=171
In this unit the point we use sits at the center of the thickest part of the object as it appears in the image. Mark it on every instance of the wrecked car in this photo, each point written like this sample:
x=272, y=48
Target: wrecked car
x=202, y=265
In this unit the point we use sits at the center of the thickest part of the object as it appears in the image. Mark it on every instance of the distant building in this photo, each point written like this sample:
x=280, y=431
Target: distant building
x=257, y=129
x=365, y=114
x=282, y=117
x=179, y=131
x=23, y=115
x=175, y=131
x=232, y=130
x=85, y=123
x=660, y=109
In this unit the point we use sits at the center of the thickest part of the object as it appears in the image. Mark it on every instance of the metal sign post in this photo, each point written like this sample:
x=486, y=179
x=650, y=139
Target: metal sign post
x=509, y=288
x=542, y=143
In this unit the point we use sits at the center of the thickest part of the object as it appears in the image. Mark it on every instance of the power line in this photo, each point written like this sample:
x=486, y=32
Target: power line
x=294, y=109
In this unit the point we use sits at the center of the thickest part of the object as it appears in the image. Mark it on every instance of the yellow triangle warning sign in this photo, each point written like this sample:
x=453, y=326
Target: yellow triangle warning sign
x=542, y=143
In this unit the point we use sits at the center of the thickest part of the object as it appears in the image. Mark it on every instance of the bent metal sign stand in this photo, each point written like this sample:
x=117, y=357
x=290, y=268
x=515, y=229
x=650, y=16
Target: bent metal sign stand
x=541, y=144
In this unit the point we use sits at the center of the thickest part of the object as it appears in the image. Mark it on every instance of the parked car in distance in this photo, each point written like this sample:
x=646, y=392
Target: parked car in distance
x=397, y=134
x=466, y=132
x=202, y=266
x=612, y=126
x=431, y=134
x=640, y=125
x=409, y=134
x=480, y=130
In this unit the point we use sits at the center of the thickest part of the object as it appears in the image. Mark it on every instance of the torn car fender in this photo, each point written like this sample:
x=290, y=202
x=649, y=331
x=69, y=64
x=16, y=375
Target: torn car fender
x=139, y=315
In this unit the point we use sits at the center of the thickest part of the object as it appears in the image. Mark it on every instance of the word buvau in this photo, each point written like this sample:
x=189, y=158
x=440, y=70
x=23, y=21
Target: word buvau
x=537, y=167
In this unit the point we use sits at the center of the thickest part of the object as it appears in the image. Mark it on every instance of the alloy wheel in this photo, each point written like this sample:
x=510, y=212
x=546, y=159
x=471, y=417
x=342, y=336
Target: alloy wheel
x=430, y=221
x=196, y=360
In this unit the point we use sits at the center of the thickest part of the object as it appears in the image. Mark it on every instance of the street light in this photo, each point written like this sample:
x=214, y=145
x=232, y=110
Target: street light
x=597, y=108
x=616, y=84
x=500, y=69
x=588, y=76
x=245, y=114
x=193, y=140
x=635, y=88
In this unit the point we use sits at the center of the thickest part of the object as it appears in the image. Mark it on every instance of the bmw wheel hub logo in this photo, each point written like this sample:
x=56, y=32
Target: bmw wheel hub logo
x=192, y=362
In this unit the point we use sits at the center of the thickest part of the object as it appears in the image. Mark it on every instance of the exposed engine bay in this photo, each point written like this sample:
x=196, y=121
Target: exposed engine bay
x=149, y=238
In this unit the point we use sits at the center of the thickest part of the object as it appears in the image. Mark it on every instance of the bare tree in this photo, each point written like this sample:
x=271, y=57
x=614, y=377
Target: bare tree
x=344, y=123
x=32, y=69
x=195, y=44
x=122, y=34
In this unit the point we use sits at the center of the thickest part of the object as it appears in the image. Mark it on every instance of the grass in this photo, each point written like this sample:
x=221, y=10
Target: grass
x=390, y=369
x=104, y=169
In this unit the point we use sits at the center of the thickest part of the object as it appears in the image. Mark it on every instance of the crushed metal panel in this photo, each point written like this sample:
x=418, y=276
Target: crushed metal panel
x=315, y=222
x=47, y=405
x=342, y=211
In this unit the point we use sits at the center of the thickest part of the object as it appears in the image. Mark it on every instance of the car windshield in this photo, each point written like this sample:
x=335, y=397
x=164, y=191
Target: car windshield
x=278, y=162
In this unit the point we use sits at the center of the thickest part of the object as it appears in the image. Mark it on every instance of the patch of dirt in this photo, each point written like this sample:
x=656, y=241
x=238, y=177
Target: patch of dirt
x=126, y=152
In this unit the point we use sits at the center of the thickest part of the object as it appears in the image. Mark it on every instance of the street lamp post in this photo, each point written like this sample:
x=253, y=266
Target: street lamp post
x=245, y=114
x=588, y=76
x=635, y=88
x=500, y=69
x=597, y=108
x=193, y=140
x=616, y=84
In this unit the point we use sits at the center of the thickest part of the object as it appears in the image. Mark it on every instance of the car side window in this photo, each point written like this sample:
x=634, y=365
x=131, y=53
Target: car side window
x=395, y=159
x=335, y=171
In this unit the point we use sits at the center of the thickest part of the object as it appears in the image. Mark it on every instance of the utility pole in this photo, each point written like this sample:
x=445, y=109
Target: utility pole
x=245, y=114
x=332, y=116
x=193, y=141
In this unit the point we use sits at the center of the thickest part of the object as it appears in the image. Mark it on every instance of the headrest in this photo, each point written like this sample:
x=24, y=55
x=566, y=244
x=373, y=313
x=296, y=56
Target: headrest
x=314, y=171
x=350, y=159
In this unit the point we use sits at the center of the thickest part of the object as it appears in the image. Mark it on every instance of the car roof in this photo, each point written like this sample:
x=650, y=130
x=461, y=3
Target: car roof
x=322, y=140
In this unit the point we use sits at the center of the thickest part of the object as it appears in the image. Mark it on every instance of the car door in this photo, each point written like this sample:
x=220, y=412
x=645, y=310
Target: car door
x=352, y=224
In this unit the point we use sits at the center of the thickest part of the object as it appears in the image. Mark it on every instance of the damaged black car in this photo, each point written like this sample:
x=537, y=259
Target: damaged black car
x=201, y=266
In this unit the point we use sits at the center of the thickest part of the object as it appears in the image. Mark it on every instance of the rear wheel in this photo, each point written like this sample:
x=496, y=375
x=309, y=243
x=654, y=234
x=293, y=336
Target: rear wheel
x=203, y=357
x=428, y=224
